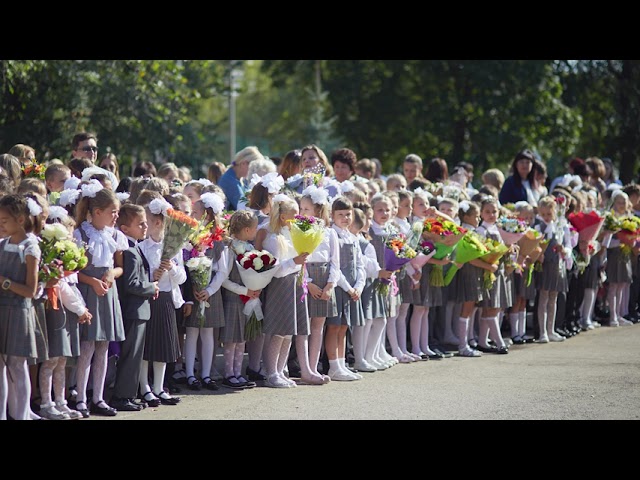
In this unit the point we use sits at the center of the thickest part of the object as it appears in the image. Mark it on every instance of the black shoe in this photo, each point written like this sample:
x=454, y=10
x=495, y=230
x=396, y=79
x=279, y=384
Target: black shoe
x=246, y=383
x=490, y=349
x=105, y=411
x=233, y=385
x=150, y=400
x=193, y=383
x=254, y=376
x=180, y=378
x=209, y=384
x=171, y=388
x=435, y=356
x=124, y=405
x=165, y=399
x=84, y=411
x=444, y=353
x=502, y=350
x=517, y=340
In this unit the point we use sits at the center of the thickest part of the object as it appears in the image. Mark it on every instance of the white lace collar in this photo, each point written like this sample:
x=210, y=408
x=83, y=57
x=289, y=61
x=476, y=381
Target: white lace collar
x=382, y=229
x=101, y=245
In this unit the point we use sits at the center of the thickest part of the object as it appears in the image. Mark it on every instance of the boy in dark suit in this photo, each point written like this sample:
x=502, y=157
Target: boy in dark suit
x=135, y=290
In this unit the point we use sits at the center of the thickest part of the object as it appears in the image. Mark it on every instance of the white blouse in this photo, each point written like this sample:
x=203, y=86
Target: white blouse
x=28, y=246
x=403, y=225
x=285, y=257
x=328, y=251
x=101, y=244
x=346, y=237
x=172, y=278
x=220, y=271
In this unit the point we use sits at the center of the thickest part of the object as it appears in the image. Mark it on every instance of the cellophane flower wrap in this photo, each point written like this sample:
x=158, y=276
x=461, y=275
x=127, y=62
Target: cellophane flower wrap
x=61, y=256
x=397, y=253
x=588, y=224
x=628, y=234
x=306, y=234
x=178, y=229
x=445, y=235
x=471, y=247
x=200, y=273
x=198, y=264
x=256, y=268
x=425, y=250
x=496, y=250
x=511, y=229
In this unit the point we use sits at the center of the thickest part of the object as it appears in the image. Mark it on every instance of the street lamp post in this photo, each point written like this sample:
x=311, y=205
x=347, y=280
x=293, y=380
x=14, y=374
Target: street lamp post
x=234, y=82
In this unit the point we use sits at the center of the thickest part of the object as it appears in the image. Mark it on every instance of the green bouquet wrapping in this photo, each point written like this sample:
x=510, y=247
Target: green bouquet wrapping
x=496, y=251
x=445, y=235
x=469, y=248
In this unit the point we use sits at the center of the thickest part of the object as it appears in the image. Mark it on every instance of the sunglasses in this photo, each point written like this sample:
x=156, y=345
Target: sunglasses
x=89, y=149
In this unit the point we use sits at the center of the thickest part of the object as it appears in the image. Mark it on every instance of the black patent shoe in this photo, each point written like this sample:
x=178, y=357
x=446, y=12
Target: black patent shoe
x=209, y=384
x=83, y=410
x=150, y=400
x=105, y=411
x=254, y=376
x=490, y=349
x=166, y=399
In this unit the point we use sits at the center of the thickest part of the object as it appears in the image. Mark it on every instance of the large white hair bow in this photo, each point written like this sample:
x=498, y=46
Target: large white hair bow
x=319, y=196
x=273, y=182
x=159, y=206
x=92, y=188
x=212, y=201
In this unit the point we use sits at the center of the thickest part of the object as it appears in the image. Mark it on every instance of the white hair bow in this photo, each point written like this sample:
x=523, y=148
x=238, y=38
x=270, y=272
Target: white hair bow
x=255, y=179
x=88, y=172
x=57, y=213
x=91, y=189
x=273, y=182
x=464, y=206
x=204, y=182
x=281, y=197
x=347, y=186
x=520, y=204
x=294, y=178
x=212, y=201
x=122, y=196
x=69, y=196
x=34, y=208
x=614, y=186
x=318, y=196
x=72, y=183
x=617, y=192
x=159, y=206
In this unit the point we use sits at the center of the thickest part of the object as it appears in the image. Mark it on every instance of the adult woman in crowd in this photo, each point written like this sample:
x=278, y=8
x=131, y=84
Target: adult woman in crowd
x=518, y=186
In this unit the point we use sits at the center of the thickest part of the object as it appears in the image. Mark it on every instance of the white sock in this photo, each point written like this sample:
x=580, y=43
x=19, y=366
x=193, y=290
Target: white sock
x=514, y=318
x=462, y=333
x=494, y=329
x=334, y=366
x=158, y=377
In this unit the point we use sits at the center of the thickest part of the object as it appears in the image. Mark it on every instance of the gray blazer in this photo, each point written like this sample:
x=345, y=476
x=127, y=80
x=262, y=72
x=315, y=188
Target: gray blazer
x=134, y=286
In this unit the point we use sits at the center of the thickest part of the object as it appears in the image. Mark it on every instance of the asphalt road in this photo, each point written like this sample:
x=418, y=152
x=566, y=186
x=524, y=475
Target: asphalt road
x=592, y=376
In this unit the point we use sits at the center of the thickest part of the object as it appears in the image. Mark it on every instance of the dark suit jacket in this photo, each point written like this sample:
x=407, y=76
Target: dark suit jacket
x=134, y=286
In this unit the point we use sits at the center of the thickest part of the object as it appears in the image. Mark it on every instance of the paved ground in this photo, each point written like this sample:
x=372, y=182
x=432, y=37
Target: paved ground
x=592, y=376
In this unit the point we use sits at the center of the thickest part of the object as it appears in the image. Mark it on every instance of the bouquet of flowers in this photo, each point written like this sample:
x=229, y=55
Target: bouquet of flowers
x=396, y=254
x=61, y=256
x=200, y=272
x=588, y=225
x=528, y=243
x=629, y=233
x=511, y=229
x=536, y=264
x=584, y=255
x=424, y=251
x=306, y=234
x=33, y=170
x=470, y=248
x=256, y=270
x=612, y=223
x=496, y=251
x=178, y=228
x=445, y=235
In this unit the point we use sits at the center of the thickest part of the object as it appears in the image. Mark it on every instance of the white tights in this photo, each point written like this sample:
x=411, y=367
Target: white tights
x=397, y=331
x=419, y=330
x=191, y=346
x=159, y=369
x=588, y=304
x=277, y=354
x=374, y=338
x=547, y=306
x=97, y=350
x=52, y=372
x=614, y=298
x=19, y=388
x=233, y=358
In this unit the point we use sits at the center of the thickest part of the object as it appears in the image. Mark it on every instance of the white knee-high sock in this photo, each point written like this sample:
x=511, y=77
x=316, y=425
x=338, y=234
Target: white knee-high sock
x=207, y=345
x=586, y=308
x=522, y=323
x=144, y=377
x=483, y=336
x=373, y=339
x=494, y=330
x=463, y=324
x=552, y=309
x=190, y=348
x=624, y=299
x=99, y=368
x=359, y=342
x=514, y=318
x=158, y=377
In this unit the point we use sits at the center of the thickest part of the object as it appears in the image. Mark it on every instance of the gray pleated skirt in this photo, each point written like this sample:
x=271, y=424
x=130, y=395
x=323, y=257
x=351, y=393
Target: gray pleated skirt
x=319, y=273
x=58, y=332
x=466, y=285
x=106, y=324
x=213, y=314
x=161, y=341
x=553, y=277
x=17, y=328
x=499, y=296
x=366, y=300
x=590, y=278
x=618, y=266
x=234, y=319
x=431, y=296
x=349, y=312
x=379, y=303
x=284, y=312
